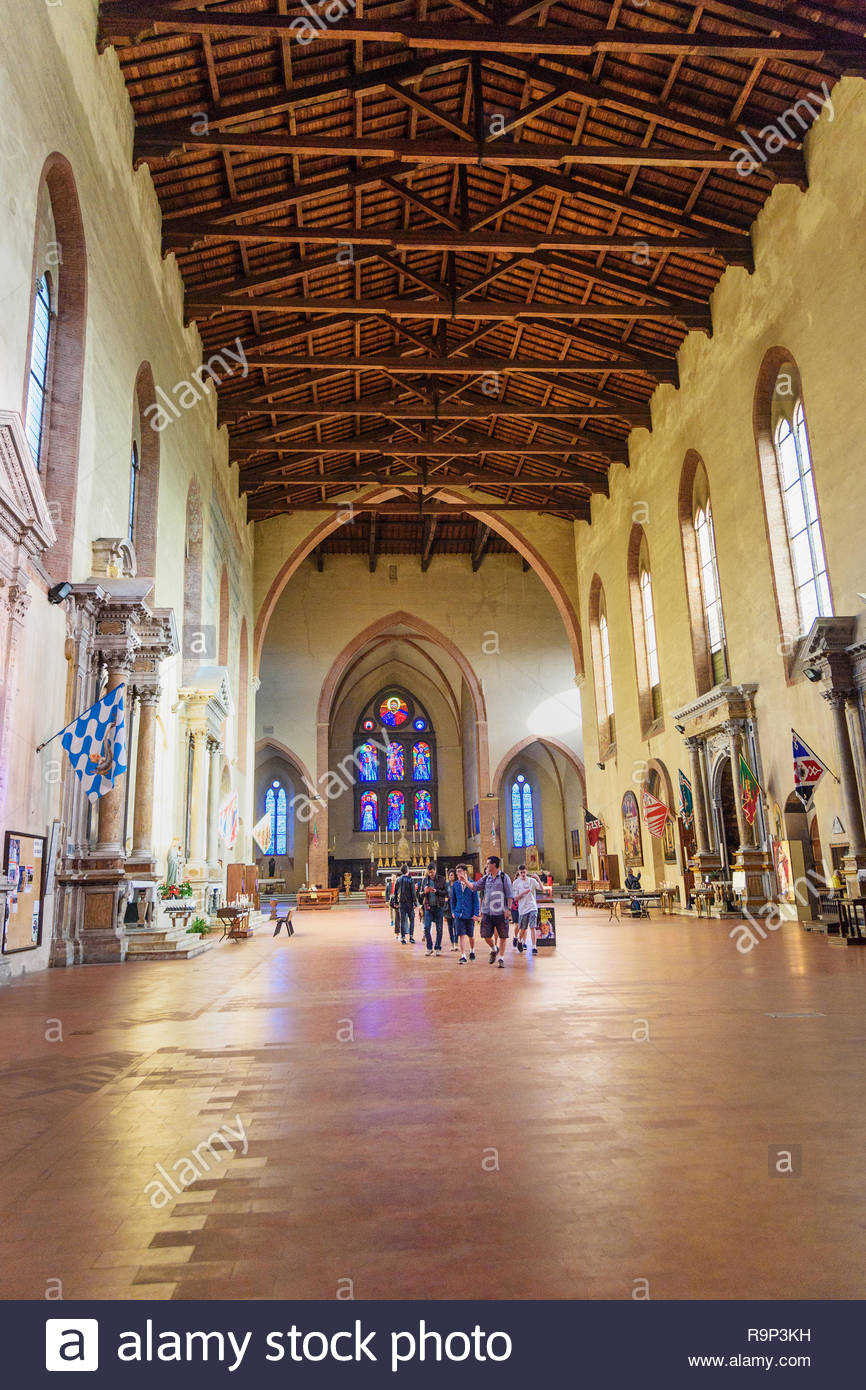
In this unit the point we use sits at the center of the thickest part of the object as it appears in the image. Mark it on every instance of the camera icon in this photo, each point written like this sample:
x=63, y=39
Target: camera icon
x=71, y=1344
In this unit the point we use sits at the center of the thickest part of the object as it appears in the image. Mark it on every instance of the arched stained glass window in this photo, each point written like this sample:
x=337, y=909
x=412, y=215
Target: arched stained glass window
x=421, y=762
x=522, y=813
x=423, y=811
x=276, y=809
x=368, y=762
x=369, y=811
x=37, y=380
x=402, y=753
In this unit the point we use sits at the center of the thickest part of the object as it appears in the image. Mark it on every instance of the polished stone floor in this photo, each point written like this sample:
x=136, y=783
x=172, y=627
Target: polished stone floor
x=568, y=1127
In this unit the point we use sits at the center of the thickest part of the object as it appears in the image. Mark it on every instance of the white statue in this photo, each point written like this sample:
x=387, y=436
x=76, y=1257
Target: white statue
x=172, y=863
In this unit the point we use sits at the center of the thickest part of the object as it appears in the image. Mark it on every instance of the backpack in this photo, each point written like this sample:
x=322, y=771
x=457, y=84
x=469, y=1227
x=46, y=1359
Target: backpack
x=442, y=898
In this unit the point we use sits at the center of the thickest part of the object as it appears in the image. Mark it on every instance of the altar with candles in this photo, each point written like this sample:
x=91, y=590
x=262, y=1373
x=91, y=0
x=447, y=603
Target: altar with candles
x=391, y=849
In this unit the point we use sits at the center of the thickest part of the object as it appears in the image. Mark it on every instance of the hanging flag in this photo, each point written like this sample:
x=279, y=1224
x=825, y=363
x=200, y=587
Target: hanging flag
x=228, y=820
x=263, y=833
x=750, y=788
x=315, y=835
x=687, y=801
x=655, y=814
x=96, y=744
x=593, y=826
x=808, y=768
x=493, y=829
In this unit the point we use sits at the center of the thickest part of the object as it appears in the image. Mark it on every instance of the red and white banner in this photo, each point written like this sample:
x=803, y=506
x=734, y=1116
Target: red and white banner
x=228, y=820
x=655, y=814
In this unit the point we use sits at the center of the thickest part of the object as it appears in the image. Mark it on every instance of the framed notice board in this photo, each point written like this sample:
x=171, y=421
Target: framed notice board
x=24, y=868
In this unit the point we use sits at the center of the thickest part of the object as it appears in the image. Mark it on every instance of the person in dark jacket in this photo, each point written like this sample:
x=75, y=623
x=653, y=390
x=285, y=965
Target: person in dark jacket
x=434, y=895
x=465, y=907
x=405, y=903
x=634, y=885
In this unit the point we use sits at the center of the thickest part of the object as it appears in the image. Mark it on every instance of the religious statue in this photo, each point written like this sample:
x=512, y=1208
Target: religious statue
x=402, y=843
x=172, y=863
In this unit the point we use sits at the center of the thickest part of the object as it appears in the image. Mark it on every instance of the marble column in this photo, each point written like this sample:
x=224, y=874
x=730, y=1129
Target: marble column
x=145, y=776
x=837, y=700
x=14, y=603
x=110, y=832
x=198, y=798
x=214, y=750
x=697, y=778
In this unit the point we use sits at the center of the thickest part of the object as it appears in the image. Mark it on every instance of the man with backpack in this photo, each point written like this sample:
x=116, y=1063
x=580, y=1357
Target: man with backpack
x=405, y=901
x=465, y=908
x=434, y=895
x=496, y=893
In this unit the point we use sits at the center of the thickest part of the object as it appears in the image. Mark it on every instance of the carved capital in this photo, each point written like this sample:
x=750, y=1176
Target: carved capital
x=839, y=697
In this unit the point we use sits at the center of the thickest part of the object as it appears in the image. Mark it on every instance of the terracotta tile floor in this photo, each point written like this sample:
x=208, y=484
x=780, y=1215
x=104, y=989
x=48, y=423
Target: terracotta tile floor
x=373, y=1159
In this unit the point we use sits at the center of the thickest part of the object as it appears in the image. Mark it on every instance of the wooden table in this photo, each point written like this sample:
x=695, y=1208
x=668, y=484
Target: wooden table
x=615, y=902
x=236, y=922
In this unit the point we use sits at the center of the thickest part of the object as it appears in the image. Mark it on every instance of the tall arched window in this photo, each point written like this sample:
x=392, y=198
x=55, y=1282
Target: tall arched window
x=395, y=745
x=805, y=542
x=276, y=808
x=790, y=494
x=522, y=813
x=649, y=629
x=703, y=589
x=133, y=490
x=710, y=591
x=37, y=376
x=644, y=632
x=601, y=667
x=57, y=322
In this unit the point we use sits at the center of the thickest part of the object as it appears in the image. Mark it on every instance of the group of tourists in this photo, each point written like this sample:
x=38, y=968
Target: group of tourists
x=494, y=902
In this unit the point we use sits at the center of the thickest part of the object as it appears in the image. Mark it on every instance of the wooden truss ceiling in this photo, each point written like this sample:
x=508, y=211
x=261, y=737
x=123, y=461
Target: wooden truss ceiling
x=459, y=243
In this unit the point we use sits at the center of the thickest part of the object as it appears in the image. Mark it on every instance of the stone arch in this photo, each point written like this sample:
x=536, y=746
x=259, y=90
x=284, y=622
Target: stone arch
x=568, y=753
x=342, y=662
x=147, y=490
x=62, y=412
x=494, y=520
x=344, y=688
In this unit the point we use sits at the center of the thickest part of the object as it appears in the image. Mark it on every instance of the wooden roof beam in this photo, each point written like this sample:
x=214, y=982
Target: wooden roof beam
x=453, y=366
x=159, y=142
x=139, y=22
x=371, y=545
x=482, y=539
x=684, y=311
x=430, y=527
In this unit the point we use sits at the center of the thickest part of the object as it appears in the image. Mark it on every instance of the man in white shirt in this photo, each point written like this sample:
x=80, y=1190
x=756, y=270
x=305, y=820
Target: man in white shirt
x=525, y=888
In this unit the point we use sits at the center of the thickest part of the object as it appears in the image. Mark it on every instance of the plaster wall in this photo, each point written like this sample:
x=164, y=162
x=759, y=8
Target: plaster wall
x=808, y=295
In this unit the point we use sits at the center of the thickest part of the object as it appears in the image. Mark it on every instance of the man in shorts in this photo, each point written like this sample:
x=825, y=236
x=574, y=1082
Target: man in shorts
x=525, y=889
x=495, y=892
x=465, y=908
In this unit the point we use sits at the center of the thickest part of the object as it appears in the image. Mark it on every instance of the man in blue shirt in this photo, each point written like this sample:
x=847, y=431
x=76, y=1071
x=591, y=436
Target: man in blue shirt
x=465, y=907
x=496, y=892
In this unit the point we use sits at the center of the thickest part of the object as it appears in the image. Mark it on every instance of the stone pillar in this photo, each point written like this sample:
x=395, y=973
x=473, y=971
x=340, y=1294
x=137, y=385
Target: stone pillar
x=198, y=801
x=855, y=860
x=317, y=854
x=145, y=776
x=14, y=603
x=109, y=842
x=214, y=750
x=697, y=775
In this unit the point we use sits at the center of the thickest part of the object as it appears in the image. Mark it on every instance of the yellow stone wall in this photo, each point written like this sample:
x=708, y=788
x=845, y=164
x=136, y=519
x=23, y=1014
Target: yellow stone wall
x=807, y=295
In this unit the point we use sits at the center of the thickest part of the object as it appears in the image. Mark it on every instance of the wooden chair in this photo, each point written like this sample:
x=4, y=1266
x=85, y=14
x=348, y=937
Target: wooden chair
x=284, y=915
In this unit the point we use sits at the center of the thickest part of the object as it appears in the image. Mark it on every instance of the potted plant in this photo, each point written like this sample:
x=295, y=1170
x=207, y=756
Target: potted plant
x=199, y=926
x=172, y=892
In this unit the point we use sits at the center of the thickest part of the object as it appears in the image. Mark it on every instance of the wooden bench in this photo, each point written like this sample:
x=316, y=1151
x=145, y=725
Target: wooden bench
x=318, y=899
x=376, y=896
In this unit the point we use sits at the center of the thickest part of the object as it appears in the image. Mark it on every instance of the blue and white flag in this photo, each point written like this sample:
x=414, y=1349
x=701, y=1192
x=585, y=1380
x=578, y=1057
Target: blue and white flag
x=808, y=768
x=96, y=744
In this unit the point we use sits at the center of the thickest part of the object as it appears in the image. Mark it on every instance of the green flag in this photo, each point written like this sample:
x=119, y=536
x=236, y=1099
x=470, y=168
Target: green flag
x=750, y=790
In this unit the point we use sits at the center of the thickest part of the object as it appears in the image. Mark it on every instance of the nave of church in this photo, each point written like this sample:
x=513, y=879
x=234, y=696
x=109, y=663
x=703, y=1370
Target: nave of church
x=433, y=442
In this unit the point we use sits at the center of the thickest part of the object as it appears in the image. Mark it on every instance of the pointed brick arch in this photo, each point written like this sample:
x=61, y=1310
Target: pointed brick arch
x=546, y=741
x=494, y=520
